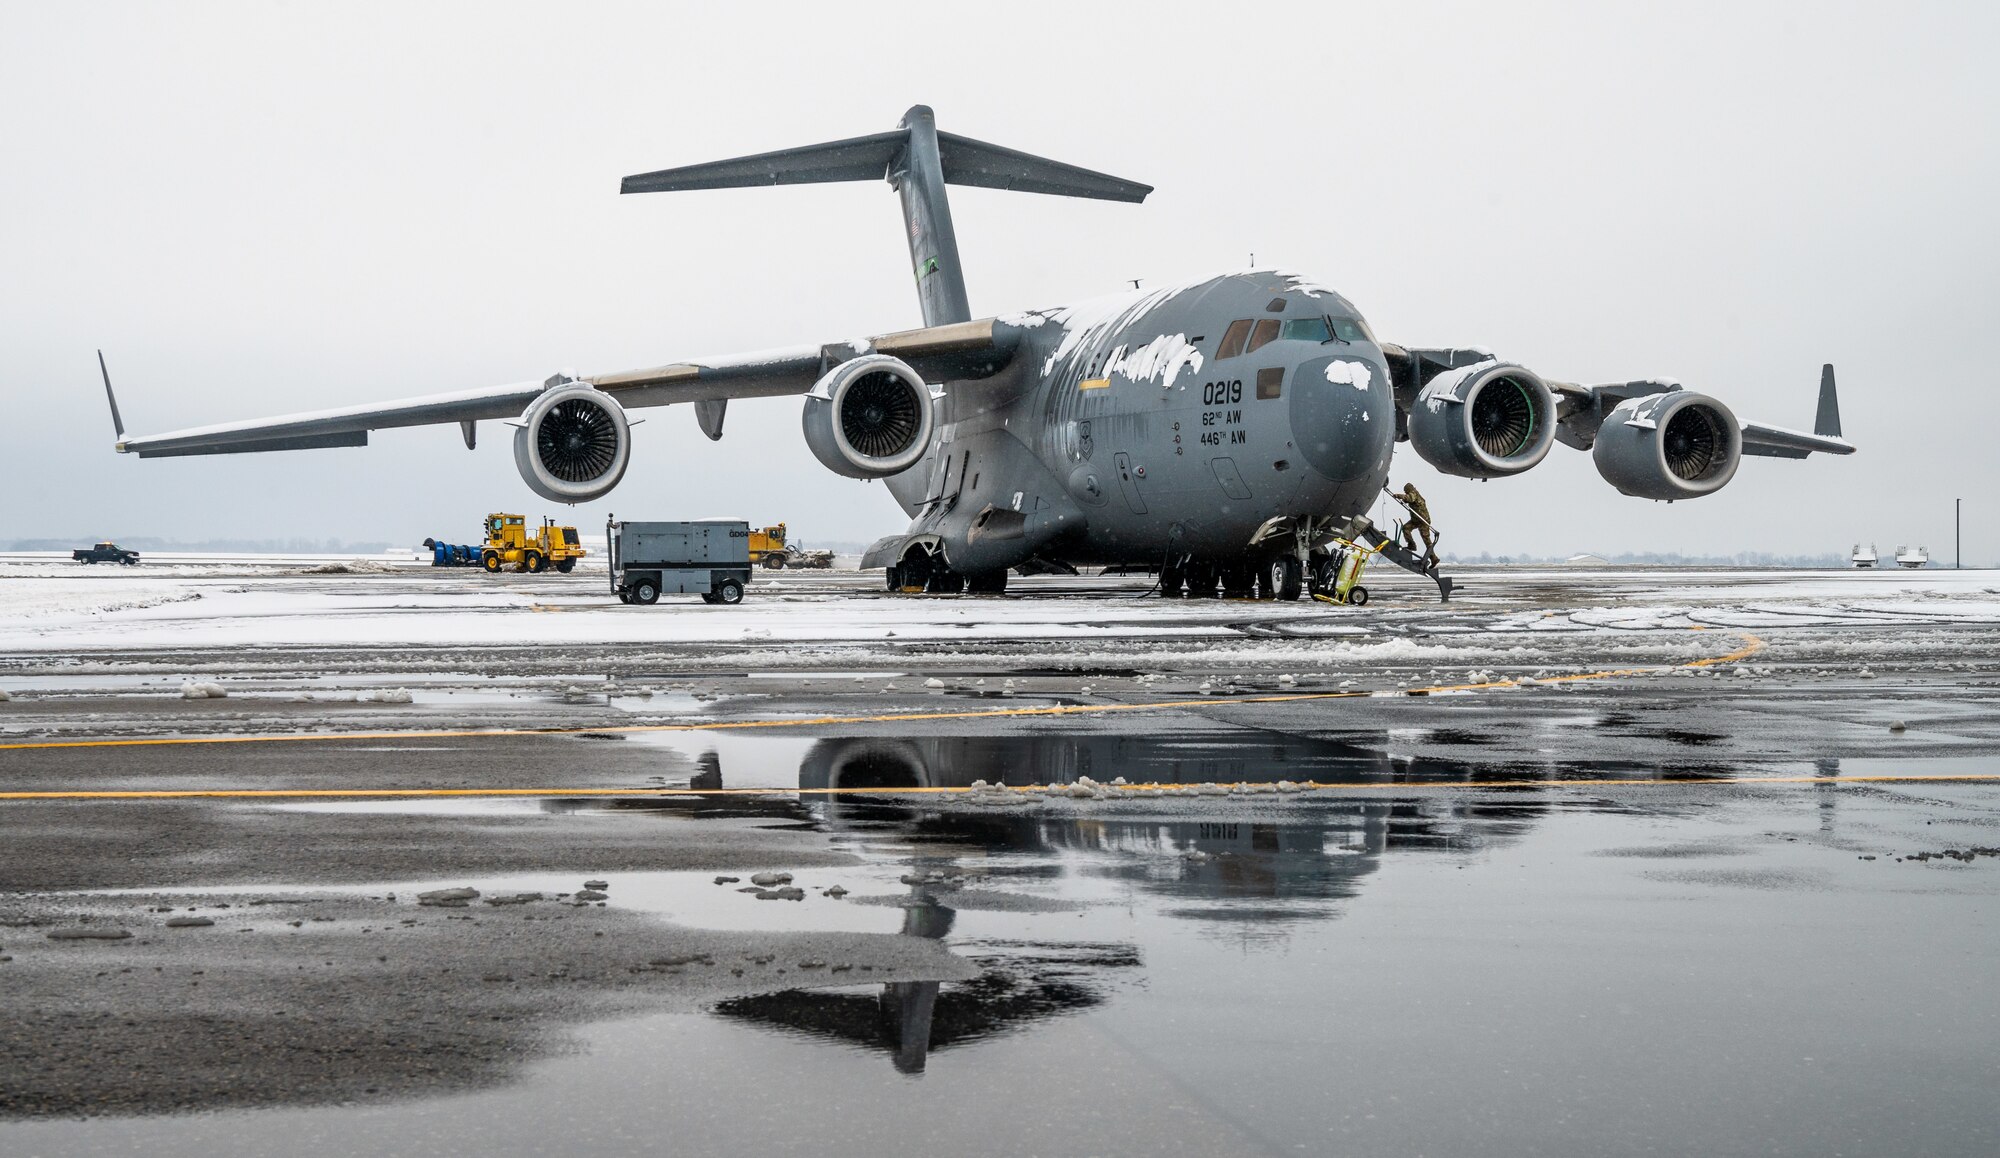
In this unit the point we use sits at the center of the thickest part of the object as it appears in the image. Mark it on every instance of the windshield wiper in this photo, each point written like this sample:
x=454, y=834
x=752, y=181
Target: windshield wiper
x=1332, y=334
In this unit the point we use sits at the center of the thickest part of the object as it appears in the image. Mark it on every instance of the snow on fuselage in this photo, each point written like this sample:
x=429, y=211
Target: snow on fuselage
x=1181, y=418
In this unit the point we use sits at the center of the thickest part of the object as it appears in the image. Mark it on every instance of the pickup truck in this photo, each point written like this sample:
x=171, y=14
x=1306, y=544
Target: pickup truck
x=104, y=553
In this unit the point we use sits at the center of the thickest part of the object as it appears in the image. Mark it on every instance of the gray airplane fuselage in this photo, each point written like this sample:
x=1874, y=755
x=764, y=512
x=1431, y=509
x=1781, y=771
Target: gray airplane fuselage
x=1180, y=419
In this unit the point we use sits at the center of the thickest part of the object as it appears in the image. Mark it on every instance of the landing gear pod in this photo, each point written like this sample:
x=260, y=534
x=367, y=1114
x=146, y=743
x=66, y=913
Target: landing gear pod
x=869, y=418
x=573, y=444
x=1673, y=445
x=1487, y=420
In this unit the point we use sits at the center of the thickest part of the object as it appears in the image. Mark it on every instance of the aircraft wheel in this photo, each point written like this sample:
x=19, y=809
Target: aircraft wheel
x=1237, y=581
x=1200, y=580
x=729, y=592
x=645, y=592
x=987, y=582
x=491, y=561
x=945, y=582
x=1284, y=578
x=895, y=578
x=1357, y=596
x=1173, y=578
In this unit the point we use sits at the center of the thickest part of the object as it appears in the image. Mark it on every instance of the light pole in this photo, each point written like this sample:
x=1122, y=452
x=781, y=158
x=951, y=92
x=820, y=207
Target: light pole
x=1957, y=560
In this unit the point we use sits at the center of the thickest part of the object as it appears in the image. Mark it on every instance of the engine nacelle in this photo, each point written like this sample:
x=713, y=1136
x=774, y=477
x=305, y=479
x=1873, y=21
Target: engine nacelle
x=572, y=444
x=1487, y=420
x=870, y=417
x=1673, y=445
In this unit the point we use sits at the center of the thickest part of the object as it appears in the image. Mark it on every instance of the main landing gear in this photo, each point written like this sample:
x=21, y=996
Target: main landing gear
x=1184, y=577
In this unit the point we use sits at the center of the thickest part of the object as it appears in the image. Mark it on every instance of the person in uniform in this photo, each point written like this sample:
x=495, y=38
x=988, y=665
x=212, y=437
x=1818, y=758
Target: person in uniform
x=1418, y=524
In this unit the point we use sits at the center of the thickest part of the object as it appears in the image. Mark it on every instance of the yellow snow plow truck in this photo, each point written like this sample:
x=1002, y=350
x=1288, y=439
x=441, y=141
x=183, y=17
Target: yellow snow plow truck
x=509, y=546
x=768, y=549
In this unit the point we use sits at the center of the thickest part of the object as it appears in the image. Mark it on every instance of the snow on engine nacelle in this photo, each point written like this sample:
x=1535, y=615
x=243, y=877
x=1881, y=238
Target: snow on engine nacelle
x=871, y=417
x=572, y=443
x=1672, y=445
x=1487, y=420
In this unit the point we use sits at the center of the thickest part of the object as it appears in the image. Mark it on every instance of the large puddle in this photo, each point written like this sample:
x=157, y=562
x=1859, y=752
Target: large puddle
x=1437, y=973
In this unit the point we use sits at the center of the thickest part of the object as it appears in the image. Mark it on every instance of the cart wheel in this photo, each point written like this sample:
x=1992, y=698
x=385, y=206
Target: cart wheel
x=1357, y=597
x=730, y=592
x=566, y=566
x=645, y=591
x=534, y=563
x=490, y=560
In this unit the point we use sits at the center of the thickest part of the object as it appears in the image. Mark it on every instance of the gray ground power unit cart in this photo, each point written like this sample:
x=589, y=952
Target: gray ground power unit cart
x=706, y=557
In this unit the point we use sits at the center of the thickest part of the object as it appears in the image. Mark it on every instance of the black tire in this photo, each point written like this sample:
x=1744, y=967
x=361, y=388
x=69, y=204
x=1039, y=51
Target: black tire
x=1173, y=578
x=710, y=597
x=1357, y=596
x=774, y=561
x=894, y=575
x=490, y=560
x=1326, y=573
x=566, y=566
x=1200, y=580
x=1285, y=578
x=130, y=562
x=729, y=592
x=1239, y=581
x=625, y=597
x=945, y=582
x=534, y=562
x=987, y=582
x=645, y=592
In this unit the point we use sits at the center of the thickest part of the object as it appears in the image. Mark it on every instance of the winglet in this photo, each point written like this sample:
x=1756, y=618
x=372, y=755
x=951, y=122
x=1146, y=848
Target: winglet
x=117, y=423
x=1827, y=423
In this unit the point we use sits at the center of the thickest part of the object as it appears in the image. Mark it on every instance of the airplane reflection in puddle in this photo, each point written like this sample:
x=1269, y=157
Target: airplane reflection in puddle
x=1247, y=877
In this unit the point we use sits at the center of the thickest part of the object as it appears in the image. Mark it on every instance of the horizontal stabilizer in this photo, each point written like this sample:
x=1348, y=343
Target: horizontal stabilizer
x=876, y=158
x=970, y=162
x=855, y=159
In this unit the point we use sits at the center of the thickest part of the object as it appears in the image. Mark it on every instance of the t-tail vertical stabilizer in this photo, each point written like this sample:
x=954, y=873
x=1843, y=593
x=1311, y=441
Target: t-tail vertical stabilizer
x=918, y=161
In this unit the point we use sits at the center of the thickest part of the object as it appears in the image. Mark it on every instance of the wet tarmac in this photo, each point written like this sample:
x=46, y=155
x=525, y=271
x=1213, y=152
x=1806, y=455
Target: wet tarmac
x=1504, y=888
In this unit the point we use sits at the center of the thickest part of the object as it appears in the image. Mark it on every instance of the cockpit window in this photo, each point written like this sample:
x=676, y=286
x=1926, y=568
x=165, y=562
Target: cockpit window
x=1263, y=335
x=1315, y=330
x=1233, y=339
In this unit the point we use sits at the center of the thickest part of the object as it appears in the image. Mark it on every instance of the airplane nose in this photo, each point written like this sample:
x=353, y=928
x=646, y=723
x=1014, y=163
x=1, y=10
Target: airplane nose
x=1344, y=414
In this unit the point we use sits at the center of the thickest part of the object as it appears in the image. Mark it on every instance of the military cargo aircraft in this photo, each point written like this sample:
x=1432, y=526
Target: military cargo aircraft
x=1226, y=431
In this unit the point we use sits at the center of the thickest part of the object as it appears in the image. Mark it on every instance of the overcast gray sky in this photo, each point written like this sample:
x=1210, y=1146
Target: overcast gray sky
x=256, y=208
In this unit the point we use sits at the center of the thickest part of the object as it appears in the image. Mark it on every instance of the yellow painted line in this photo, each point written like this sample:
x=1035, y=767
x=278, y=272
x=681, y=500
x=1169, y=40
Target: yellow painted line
x=1751, y=647
x=1034, y=792
x=1093, y=384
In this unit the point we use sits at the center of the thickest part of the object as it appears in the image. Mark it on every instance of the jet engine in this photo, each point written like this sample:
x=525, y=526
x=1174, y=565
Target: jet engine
x=869, y=418
x=1673, y=445
x=572, y=443
x=1487, y=420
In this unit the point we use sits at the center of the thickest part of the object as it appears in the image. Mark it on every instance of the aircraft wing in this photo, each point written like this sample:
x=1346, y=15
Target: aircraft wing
x=964, y=350
x=1581, y=409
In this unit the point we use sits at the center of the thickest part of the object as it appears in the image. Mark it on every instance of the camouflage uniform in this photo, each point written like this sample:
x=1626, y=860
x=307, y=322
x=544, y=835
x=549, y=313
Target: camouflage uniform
x=1418, y=524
